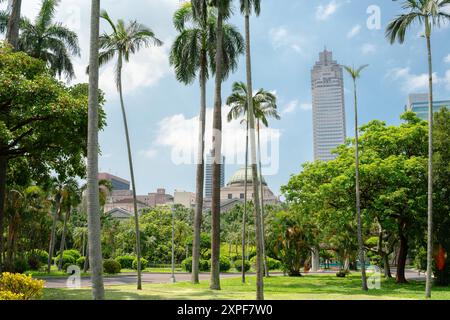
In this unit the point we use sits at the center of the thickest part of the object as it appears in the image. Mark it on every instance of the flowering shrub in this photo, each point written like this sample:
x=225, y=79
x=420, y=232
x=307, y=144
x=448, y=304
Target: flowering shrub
x=19, y=287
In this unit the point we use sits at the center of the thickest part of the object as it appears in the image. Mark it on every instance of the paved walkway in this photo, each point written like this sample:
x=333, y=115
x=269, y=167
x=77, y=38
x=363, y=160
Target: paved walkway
x=160, y=278
x=127, y=279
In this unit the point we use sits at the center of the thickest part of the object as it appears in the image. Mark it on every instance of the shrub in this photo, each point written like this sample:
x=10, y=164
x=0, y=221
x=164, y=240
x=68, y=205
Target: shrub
x=224, y=264
x=19, y=287
x=7, y=295
x=234, y=257
x=251, y=254
x=80, y=262
x=111, y=266
x=67, y=260
x=238, y=265
x=34, y=263
x=204, y=265
x=126, y=262
x=144, y=263
x=36, y=258
x=73, y=253
x=273, y=264
x=342, y=273
x=21, y=265
x=186, y=264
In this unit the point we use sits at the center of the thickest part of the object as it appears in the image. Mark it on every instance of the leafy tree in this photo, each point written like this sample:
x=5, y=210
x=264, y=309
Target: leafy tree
x=292, y=243
x=39, y=117
x=442, y=195
x=431, y=14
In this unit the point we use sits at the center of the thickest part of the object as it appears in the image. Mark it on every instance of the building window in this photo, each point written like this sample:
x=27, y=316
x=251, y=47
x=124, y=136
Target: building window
x=242, y=196
x=230, y=196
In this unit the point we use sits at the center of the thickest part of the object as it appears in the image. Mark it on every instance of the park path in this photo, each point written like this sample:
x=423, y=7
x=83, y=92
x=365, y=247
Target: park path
x=161, y=278
x=129, y=278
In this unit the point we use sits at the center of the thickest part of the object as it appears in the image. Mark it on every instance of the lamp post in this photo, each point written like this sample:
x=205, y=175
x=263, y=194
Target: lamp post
x=173, y=280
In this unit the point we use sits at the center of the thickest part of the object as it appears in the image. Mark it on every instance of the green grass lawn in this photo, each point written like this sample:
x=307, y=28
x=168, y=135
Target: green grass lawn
x=323, y=287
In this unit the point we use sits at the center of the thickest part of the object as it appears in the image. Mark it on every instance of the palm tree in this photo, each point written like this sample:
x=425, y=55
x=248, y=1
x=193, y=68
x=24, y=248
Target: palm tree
x=247, y=6
x=57, y=188
x=21, y=205
x=124, y=41
x=71, y=199
x=192, y=54
x=93, y=210
x=264, y=106
x=356, y=74
x=49, y=41
x=11, y=22
x=431, y=13
x=223, y=11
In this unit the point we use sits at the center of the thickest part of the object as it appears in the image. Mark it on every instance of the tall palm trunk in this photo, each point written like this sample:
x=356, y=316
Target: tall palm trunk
x=259, y=245
x=93, y=203
x=430, y=164
x=263, y=227
x=244, y=215
x=63, y=240
x=12, y=36
x=217, y=154
x=362, y=259
x=51, y=248
x=12, y=33
x=200, y=174
x=133, y=184
x=3, y=169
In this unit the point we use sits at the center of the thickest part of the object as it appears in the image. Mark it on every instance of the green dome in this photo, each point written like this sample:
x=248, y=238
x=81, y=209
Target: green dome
x=238, y=179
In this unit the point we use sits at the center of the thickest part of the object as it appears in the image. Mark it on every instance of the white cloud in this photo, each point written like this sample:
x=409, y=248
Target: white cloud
x=295, y=105
x=411, y=82
x=323, y=12
x=306, y=106
x=291, y=107
x=281, y=37
x=180, y=134
x=368, y=48
x=354, y=31
x=145, y=69
x=149, y=154
x=447, y=59
x=446, y=80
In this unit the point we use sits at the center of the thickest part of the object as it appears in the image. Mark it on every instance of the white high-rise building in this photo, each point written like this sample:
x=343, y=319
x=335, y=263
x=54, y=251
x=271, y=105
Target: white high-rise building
x=209, y=175
x=328, y=106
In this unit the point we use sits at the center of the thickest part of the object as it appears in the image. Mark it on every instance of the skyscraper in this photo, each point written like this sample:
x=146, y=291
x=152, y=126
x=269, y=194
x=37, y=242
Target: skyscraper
x=328, y=106
x=209, y=175
x=418, y=103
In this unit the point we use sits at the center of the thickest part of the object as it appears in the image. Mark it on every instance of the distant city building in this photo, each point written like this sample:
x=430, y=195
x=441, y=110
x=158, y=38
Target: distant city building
x=125, y=205
x=209, y=175
x=328, y=106
x=418, y=103
x=235, y=189
x=184, y=198
x=151, y=200
x=117, y=183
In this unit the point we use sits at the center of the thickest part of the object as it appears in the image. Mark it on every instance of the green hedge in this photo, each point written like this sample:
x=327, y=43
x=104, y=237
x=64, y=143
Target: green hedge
x=238, y=265
x=126, y=262
x=111, y=266
x=144, y=263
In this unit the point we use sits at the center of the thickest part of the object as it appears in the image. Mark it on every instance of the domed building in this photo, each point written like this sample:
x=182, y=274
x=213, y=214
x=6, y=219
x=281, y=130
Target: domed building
x=235, y=189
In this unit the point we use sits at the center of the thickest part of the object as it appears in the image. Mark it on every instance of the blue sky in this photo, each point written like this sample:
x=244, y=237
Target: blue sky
x=287, y=38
